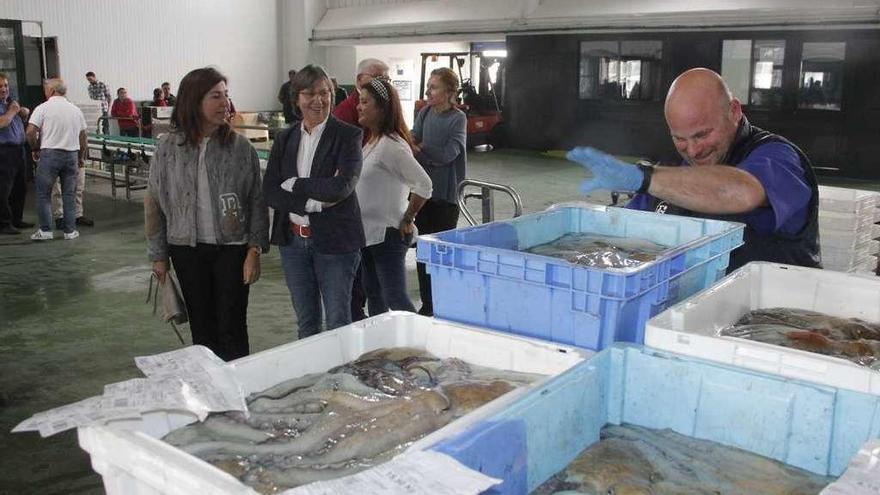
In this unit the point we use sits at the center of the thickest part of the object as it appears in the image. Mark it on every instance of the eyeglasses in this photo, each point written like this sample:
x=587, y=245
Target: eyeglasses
x=311, y=95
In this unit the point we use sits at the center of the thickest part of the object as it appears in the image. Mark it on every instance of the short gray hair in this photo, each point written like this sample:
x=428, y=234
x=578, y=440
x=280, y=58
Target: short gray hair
x=57, y=85
x=305, y=79
x=365, y=66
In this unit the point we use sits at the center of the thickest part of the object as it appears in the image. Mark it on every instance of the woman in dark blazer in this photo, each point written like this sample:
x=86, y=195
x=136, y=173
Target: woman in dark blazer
x=310, y=183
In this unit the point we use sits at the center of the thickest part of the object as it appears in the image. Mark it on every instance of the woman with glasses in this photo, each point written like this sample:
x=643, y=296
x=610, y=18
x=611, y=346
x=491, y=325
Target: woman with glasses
x=310, y=181
x=391, y=190
x=204, y=211
x=440, y=136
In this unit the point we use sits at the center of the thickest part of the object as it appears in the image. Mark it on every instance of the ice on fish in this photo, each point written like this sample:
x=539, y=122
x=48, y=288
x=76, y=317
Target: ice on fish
x=600, y=252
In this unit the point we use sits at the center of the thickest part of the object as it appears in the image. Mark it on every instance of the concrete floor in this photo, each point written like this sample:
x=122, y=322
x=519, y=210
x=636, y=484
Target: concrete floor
x=73, y=315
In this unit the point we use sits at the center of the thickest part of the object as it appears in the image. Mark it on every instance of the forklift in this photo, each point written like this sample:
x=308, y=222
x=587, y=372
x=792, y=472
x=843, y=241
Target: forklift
x=480, y=96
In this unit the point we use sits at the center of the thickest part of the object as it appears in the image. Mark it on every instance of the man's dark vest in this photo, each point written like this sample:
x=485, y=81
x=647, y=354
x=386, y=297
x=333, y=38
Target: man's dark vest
x=799, y=249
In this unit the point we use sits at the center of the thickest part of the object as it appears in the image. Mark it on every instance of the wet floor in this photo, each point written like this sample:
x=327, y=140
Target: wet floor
x=73, y=316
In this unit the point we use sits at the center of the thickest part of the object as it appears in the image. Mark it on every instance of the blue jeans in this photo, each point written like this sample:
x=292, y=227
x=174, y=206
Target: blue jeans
x=54, y=164
x=385, y=274
x=313, y=277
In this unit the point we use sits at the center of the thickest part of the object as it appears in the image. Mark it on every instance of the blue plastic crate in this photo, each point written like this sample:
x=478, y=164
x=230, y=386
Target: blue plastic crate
x=809, y=426
x=481, y=276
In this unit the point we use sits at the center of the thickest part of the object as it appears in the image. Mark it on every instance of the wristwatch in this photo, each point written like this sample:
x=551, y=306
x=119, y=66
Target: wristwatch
x=647, y=175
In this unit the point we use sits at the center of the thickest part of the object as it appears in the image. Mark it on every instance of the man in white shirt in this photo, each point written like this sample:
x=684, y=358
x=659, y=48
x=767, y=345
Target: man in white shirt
x=57, y=131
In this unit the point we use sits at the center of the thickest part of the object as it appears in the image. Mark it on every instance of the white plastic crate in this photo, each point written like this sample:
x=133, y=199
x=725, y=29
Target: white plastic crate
x=846, y=200
x=132, y=459
x=847, y=221
x=691, y=327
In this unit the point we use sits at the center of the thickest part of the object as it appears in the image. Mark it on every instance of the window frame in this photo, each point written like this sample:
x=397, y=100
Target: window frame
x=620, y=60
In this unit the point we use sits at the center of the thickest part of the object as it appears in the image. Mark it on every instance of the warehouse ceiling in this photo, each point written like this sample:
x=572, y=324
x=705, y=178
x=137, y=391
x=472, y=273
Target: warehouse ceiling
x=383, y=21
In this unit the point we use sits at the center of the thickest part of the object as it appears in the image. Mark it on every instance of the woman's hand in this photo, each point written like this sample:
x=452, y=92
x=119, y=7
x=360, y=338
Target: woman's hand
x=251, y=269
x=160, y=269
x=406, y=227
x=416, y=149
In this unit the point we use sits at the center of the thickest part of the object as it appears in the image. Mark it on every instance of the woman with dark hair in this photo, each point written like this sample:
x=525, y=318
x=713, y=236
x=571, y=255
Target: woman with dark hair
x=204, y=211
x=391, y=190
x=440, y=135
x=310, y=182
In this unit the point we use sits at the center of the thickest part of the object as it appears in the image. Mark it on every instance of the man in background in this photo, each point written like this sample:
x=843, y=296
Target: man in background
x=285, y=98
x=98, y=91
x=367, y=70
x=125, y=112
x=170, y=99
x=57, y=134
x=12, y=161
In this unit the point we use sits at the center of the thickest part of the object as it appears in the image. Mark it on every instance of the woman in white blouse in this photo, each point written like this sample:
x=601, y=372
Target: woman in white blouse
x=391, y=190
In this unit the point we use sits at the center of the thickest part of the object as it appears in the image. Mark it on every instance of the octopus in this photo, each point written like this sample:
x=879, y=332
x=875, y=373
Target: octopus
x=633, y=460
x=848, y=338
x=326, y=425
x=600, y=252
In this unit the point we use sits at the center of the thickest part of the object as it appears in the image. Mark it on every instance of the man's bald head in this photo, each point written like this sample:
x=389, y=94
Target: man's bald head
x=698, y=86
x=702, y=115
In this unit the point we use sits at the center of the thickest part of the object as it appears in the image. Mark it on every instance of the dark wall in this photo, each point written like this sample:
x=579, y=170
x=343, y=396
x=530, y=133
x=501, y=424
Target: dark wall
x=543, y=111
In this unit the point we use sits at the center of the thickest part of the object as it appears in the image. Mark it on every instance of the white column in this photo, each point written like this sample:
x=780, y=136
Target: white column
x=295, y=23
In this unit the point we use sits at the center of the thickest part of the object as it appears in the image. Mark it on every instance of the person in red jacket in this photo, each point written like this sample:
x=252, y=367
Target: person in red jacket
x=125, y=112
x=367, y=70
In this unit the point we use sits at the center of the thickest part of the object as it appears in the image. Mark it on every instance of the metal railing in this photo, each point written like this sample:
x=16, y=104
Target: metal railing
x=486, y=199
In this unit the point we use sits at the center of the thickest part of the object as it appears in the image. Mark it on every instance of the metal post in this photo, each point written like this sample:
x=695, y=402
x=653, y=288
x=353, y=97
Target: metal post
x=488, y=201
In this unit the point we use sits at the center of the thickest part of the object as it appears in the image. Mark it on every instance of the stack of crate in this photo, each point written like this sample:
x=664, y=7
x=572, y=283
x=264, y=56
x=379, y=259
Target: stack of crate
x=91, y=111
x=846, y=229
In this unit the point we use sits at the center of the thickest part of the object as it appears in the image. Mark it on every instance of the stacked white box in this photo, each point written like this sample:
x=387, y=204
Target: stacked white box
x=846, y=228
x=91, y=111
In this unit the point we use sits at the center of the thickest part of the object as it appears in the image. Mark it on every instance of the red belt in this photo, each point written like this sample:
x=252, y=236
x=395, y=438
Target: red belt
x=303, y=231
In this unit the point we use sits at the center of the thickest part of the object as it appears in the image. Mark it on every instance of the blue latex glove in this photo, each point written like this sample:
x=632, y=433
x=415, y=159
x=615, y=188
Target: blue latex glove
x=608, y=172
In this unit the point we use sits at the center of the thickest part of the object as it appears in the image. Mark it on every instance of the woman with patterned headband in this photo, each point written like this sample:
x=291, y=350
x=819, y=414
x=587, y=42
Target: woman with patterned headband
x=391, y=190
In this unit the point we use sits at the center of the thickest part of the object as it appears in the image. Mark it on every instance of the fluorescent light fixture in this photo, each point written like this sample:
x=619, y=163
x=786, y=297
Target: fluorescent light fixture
x=495, y=53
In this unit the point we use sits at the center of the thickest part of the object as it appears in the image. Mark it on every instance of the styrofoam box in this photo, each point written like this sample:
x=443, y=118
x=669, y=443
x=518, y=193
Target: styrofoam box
x=813, y=427
x=691, y=327
x=847, y=259
x=846, y=200
x=846, y=221
x=133, y=460
x=867, y=267
x=845, y=239
x=482, y=276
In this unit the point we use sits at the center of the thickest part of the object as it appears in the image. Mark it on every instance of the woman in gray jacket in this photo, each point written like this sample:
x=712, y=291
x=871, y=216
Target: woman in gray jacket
x=205, y=212
x=440, y=139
